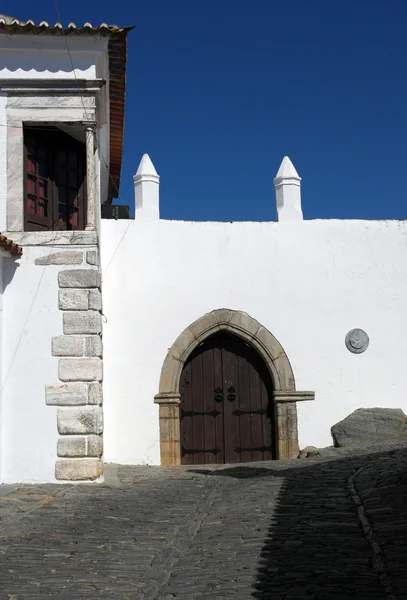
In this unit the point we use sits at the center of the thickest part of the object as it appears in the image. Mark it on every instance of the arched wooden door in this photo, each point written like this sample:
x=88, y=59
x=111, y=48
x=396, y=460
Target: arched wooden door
x=227, y=413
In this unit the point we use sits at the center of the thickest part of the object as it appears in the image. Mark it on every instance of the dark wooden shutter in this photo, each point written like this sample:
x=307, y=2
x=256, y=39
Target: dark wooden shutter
x=70, y=168
x=55, y=181
x=38, y=207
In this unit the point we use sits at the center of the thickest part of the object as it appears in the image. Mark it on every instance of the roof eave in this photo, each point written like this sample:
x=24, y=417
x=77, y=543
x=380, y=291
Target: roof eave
x=117, y=92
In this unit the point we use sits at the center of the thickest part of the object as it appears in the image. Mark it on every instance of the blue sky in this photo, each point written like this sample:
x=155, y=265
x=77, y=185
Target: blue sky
x=219, y=91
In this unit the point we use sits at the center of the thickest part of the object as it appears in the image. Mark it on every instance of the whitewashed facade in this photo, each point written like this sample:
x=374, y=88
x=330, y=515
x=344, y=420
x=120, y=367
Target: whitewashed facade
x=307, y=282
x=292, y=289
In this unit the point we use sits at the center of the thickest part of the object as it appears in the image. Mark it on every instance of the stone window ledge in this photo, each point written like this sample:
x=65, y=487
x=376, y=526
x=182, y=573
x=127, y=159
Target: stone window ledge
x=53, y=238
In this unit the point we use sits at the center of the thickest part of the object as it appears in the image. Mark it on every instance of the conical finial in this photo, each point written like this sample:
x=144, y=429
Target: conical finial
x=147, y=190
x=287, y=184
x=146, y=167
x=287, y=170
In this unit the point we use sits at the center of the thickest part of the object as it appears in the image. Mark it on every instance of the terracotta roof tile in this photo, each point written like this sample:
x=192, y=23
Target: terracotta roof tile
x=9, y=246
x=12, y=25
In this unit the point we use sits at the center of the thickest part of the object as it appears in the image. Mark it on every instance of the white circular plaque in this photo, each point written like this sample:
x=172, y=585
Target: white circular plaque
x=357, y=341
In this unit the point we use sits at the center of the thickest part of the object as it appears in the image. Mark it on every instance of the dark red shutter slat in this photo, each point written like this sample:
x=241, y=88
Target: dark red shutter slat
x=54, y=181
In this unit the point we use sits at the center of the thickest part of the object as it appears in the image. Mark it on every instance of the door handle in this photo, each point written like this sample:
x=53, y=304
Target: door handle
x=231, y=395
x=218, y=394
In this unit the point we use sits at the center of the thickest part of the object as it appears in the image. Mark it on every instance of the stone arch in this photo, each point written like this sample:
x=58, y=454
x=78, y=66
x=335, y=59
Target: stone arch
x=268, y=347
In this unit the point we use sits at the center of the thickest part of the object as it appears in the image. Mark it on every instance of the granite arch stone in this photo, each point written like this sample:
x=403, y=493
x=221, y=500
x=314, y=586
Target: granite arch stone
x=244, y=326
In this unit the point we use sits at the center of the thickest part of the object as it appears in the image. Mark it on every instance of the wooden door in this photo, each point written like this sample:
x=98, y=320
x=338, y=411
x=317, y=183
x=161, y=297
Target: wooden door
x=227, y=413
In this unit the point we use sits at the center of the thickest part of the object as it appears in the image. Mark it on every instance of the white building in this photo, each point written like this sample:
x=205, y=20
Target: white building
x=61, y=129
x=222, y=342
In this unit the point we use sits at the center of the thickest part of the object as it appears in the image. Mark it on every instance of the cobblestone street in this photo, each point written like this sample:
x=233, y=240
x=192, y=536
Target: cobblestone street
x=322, y=528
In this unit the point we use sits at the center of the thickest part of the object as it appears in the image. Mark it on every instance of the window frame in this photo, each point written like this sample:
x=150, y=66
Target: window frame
x=54, y=140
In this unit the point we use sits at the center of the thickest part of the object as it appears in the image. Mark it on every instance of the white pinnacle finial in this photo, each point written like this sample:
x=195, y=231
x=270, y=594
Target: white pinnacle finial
x=146, y=167
x=287, y=184
x=287, y=169
x=146, y=189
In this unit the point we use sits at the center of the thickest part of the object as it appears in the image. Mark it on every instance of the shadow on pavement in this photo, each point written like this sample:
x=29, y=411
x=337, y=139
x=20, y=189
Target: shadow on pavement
x=316, y=547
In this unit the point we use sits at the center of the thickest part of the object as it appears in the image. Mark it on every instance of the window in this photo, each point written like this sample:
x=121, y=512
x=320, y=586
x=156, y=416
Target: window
x=54, y=180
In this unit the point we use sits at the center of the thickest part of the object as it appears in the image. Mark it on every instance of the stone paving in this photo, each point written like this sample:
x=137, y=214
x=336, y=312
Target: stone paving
x=332, y=527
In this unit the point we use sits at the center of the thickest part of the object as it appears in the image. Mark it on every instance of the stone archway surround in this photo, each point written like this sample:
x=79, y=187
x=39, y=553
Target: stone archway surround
x=285, y=395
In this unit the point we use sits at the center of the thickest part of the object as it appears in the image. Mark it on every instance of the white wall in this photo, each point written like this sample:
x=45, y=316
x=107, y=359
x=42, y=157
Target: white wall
x=1, y=354
x=43, y=57
x=31, y=317
x=308, y=282
x=3, y=162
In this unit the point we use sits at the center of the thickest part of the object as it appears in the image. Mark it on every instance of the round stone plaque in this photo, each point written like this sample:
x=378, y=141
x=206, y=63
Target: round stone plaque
x=357, y=341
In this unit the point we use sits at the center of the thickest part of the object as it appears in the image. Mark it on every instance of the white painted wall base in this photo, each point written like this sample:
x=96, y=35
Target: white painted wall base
x=308, y=282
x=31, y=318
